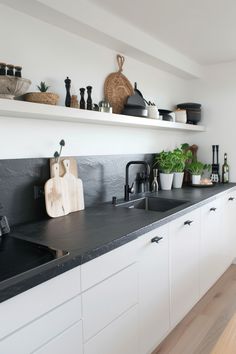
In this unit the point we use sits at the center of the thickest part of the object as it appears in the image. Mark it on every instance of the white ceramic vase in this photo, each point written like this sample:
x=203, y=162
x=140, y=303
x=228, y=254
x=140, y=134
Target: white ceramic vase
x=196, y=179
x=178, y=179
x=166, y=180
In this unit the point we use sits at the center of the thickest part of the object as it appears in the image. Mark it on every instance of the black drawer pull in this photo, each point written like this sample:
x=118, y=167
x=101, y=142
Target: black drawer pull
x=231, y=199
x=188, y=222
x=213, y=209
x=156, y=239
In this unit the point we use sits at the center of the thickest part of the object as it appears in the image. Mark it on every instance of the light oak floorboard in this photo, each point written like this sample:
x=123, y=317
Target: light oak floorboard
x=201, y=328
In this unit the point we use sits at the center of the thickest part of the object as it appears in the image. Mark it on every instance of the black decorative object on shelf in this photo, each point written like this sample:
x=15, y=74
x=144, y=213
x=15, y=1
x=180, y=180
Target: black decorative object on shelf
x=3, y=69
x=82, y=100
x=10, y=69
x=68, y=96
x=18, y=71
x=89, y=99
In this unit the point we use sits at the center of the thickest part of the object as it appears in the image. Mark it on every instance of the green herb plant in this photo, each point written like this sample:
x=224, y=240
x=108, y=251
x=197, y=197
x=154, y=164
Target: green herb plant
x=43, y=87
x=197, y=168
x=165, y=161
x=180, y=156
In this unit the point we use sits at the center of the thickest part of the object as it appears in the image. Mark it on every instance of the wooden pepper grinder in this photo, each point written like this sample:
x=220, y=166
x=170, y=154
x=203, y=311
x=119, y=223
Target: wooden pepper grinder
x=89, y=99
x=82, y=100
x=68, y=96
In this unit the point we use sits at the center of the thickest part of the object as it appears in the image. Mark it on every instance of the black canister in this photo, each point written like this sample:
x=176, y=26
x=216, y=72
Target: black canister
x=10, y=70
x=18, y=71
x=3, y=69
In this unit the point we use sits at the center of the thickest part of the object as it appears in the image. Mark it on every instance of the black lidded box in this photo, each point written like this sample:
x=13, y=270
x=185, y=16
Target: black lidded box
x=193, y=112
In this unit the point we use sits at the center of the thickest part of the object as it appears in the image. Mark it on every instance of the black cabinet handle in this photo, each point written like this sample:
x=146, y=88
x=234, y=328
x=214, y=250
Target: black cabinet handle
x=213, y=209
x=231, y=199
x=188, y=222
x=156, y=239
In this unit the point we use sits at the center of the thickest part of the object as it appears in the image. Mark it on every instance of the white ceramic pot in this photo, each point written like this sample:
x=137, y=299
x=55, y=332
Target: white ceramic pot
x=181, y=116
x=178, y=179
x=153, y=112
x=196, y=179
x=166, y=180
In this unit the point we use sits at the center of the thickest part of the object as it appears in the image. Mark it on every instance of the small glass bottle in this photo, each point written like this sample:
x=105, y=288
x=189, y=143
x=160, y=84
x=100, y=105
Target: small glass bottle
x=3, y=69
x=10, y=70
x=155, y=182
x=225, y=170
x=18, y=71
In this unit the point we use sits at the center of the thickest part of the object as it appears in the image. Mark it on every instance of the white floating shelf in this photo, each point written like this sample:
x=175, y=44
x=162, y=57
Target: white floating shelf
x=21, y=109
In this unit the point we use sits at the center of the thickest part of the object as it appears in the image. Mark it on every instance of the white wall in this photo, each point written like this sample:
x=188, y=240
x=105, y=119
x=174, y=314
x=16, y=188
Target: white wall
x=49, y=54
x=217, y=93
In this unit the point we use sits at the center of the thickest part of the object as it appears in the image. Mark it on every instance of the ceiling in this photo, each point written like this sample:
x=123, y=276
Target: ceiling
x=203, y=30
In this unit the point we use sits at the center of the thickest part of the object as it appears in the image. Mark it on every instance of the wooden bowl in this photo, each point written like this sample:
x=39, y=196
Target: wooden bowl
x=42, y=97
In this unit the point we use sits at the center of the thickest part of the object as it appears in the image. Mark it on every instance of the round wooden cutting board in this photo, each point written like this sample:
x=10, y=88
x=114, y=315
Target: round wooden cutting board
x=117, y=88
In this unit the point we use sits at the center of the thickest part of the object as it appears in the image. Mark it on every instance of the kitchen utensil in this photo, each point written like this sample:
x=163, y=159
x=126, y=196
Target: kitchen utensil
x=135, y=105
x=215, y=175
x=62, y=170
x=117, y=88
x=56, y=195
x=74, y=189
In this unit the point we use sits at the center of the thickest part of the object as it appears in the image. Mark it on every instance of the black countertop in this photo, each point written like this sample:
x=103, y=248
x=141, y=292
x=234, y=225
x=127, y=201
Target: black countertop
x=92, y=232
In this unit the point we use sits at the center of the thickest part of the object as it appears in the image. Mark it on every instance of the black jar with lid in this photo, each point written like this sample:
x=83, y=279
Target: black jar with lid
x=18, y=71
x=3, y=69
x=10, y=69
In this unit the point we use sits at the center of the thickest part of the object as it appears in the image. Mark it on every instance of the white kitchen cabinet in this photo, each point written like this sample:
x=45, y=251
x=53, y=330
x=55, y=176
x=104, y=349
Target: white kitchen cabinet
x=184, y=264
x=120, y=337
x=229, y=227
x=154, y=292
x=212, y=245
x=70, y=341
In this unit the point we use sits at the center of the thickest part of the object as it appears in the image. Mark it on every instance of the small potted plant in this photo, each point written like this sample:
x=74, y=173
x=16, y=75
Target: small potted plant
x=43, y=96
x=165, y=162
x=196, y=168
x=180, y=155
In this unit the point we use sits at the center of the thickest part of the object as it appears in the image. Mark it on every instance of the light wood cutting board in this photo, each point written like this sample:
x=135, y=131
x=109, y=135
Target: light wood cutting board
x=62, y=170
x=56, y=195
x=74, y=188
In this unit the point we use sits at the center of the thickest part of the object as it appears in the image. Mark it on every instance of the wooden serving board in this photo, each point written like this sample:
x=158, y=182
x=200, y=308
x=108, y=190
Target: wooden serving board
x=74, y=189
x=56, y=195
x=62, y=170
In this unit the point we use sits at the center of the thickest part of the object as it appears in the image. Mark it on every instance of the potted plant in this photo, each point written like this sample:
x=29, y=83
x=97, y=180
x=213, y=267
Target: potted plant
x=180, y=156
x=43, y=96
x=165, y=162
x=196, y=168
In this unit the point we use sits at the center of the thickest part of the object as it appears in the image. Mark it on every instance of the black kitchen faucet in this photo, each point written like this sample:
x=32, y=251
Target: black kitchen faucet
x=127, y=189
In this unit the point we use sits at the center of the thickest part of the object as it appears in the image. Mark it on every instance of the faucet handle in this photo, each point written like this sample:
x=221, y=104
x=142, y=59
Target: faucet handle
x=131, y=189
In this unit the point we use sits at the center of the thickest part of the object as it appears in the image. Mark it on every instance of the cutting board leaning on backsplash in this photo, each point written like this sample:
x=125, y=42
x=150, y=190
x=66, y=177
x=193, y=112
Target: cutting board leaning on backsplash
x=64, y=191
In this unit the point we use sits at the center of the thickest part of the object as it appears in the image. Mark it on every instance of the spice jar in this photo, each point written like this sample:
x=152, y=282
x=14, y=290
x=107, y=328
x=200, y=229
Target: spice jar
x=18, y=71
x=3, y=68
x=10, y=69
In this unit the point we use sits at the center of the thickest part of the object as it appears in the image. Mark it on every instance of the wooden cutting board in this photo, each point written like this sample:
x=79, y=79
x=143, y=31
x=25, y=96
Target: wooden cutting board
x=62, y=170
x=74, y=189
x=56, y=194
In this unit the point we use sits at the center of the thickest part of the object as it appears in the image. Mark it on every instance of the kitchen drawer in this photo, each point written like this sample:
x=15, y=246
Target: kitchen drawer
x=120, y=337
x=110, y=263
x=70, y=341
x=106, y=301
x=42, y=330
x=29, y=305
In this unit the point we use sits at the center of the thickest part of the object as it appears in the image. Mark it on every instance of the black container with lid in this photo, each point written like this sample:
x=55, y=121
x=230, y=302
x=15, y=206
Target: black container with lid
x=3, y=69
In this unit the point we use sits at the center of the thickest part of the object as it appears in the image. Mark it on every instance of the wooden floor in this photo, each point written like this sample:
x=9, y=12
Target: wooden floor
x=199, y=331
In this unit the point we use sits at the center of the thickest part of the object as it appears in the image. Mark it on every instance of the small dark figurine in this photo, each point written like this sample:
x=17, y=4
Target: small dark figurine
x=68, y=96
x=89, y=99
x=82, y=100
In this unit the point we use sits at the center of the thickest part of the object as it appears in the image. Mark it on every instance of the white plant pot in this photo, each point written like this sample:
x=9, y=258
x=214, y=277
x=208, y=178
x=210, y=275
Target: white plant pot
x=166, y=180
x=178, y=179
x=196, y=179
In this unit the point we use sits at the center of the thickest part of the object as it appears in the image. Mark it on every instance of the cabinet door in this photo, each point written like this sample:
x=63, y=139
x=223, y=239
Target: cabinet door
x=119, y=337
x=212, y=245
x=229, y=228
x=70, y=341
x=184, y=264
x=154, y=321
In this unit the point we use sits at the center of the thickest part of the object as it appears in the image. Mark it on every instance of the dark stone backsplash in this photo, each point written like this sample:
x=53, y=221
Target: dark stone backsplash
x=102, y=176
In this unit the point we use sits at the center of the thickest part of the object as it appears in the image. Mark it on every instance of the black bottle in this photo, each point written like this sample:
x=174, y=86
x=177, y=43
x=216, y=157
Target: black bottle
x=89, y=99
x=82, y=100
x=68, y=96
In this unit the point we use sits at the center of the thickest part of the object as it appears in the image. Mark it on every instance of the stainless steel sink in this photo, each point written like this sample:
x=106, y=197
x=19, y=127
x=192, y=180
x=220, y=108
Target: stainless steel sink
x=18, y=256
x=153, y=203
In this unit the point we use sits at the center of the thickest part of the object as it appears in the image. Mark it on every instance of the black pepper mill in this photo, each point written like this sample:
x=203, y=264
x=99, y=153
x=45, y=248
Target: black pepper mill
x=68, y=96
x=82, y=100
x=89, y=99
